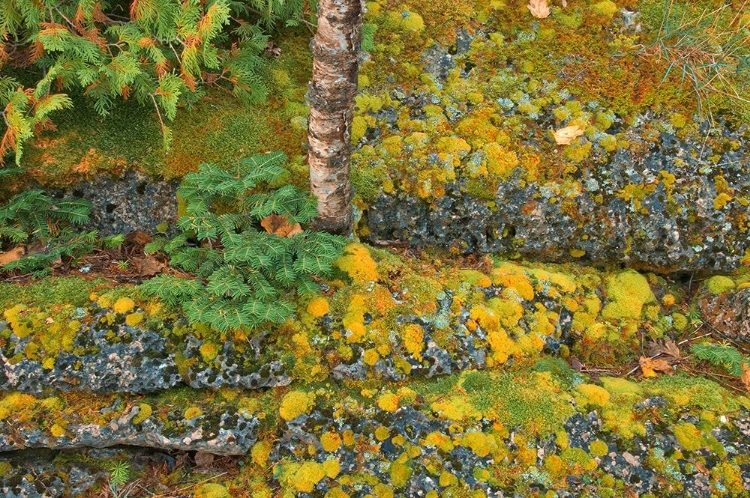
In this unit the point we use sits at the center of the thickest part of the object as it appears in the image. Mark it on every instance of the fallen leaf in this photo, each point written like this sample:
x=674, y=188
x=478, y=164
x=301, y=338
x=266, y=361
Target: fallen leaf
x=203, y=459
x=279, y=224
x=702, y=468
x=564, y=3
x=138, y=238
x=148, y=266
x=539, y=8
x=565, y=136
x=649, y=366
x=669, y=348
x=745, y=378
x=12, y=255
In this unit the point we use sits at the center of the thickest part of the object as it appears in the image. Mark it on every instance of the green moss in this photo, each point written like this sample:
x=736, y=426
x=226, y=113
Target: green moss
x=698, y=392
x=145, y=411
x=606, y=9
x=719, y=284
x=627, y=291
x=49, y=292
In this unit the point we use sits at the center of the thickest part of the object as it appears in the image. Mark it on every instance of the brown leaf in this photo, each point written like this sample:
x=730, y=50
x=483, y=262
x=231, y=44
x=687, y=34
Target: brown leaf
x=148, y=266
x=279, y=224
x=649, y=366
x=565, y=136
x=539, y=8
x=745, y=378
x=12, y=255
x=138, y=238
x=669, y=348
x=203, y=459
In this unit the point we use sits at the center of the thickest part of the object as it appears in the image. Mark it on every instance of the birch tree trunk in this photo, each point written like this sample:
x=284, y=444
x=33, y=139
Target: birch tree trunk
x=335, y=49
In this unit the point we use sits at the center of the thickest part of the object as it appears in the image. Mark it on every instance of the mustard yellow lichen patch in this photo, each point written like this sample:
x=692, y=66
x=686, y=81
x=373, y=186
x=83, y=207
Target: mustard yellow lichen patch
x=358, y=264
x=144, y=412
x=308, y=475
x=719, y=284
x=123, y=305
x=500, y=345
x=134, y=319
x=400, y=471
x=330, y=441
x=413, y=340
x=438, y=440
x=57, y=430
x=388, y=401
x=513, y=277
x=296, y=403
x=211, y=490
x=474, y=277
x=485, y=317
x=480, y=443
x=332, y=468
x=456, y=408
x=508, y=310
x=260, y=453
x=193, y=412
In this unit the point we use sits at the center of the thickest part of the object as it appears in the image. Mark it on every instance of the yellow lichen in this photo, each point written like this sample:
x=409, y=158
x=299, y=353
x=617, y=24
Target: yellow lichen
x=144, y=412
x=400, y=471
x=388, y=401
x=330, y=441
x=308, y=475
x=358, y=264
x=296, y=403
x=193, y=412
x=57, y=430
x=332, y=468
x=134, y=319
x=413, y=340
x=260, y=453
x=211, y=490
x=480, y=443
x=123, y=305
x=318, y=307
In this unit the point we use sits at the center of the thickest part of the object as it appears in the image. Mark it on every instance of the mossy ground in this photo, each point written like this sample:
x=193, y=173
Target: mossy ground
x=482, y=121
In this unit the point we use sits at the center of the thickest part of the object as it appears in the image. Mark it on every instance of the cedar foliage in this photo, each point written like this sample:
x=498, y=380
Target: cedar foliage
x=159, y=52
x=245, y=275
x=50, y=224
x=722, y=356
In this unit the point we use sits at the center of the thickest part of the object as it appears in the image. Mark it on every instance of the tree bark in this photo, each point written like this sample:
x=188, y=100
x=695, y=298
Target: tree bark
x=335, y=49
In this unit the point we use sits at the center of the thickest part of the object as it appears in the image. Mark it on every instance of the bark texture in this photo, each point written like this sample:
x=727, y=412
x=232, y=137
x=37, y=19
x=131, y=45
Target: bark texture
x=335, y=48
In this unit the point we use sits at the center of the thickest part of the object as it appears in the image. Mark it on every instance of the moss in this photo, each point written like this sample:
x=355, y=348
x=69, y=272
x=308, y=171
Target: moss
x=51, y=291
x=689, y=436
x=144, y=412
x=411, y=21
x=211, y=490
x=627, y=291
x=606, y=9
x=593, y=395
x=15, y=403
x=598, y=448
x=295, y=404
x=719, y=284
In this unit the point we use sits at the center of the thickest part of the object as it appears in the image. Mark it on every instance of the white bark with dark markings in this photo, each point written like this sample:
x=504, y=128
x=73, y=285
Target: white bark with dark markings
x=335, y=50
